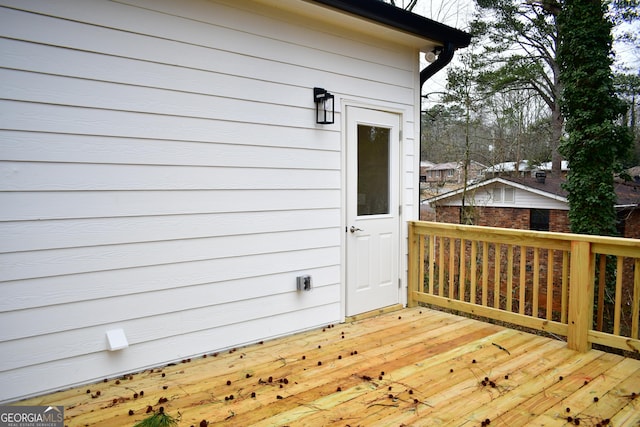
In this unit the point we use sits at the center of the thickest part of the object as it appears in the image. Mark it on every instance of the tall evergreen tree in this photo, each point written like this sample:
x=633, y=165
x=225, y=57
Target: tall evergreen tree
x=520, y=47
x=595, y=142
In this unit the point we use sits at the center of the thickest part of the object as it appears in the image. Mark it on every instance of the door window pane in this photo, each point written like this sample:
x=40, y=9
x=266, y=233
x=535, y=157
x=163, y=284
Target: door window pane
x=373, y=170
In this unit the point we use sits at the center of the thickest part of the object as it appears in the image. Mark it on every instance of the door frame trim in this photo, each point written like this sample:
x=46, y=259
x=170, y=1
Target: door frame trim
x=345, y=105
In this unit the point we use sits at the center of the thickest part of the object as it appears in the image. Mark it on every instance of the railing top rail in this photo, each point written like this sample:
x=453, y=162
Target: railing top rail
x=428, y=227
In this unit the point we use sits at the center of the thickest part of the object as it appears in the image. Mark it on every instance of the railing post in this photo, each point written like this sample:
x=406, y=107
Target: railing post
x=580, y=296
x=413, y=264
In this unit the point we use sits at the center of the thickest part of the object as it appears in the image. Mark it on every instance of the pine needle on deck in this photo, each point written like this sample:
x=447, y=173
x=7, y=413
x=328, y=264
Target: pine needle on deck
x=413, y=367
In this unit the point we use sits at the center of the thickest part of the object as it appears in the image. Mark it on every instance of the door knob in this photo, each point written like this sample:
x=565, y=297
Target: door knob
x=353, y=229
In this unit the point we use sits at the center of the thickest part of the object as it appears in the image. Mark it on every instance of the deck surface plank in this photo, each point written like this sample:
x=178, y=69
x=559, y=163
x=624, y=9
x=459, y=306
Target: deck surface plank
x=545, y=392
x=413, y=367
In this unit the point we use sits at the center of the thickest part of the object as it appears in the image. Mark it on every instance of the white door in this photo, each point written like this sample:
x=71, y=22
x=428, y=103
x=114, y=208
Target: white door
x=372, y=213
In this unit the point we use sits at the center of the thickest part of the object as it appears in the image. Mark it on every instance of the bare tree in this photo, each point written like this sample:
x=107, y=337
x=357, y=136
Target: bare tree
x=410, y=4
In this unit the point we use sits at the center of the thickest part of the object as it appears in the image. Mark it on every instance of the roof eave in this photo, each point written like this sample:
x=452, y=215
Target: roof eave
x=401, y=19
x=488, y=182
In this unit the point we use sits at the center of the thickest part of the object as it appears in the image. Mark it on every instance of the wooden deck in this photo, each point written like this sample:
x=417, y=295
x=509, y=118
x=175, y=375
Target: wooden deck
x=413, y=367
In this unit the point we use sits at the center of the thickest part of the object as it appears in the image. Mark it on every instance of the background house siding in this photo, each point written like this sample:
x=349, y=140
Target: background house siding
x=486, y=197
x=162, y=173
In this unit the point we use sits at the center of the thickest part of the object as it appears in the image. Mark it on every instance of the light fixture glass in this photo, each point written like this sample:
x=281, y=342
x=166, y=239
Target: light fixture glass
x=324, y=106
x=430, y=56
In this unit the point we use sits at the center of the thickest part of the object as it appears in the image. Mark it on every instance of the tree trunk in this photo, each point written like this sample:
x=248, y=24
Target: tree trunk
x=557, y=127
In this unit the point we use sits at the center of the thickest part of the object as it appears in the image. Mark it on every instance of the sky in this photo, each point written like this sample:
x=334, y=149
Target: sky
x=627, y=54
x=458, y=14
x=454, y=13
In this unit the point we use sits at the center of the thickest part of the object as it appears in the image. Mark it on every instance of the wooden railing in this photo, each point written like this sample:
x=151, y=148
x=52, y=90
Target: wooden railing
x=585, y=288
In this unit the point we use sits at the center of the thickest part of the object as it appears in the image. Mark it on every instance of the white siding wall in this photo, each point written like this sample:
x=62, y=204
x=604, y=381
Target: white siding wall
x=161, y=171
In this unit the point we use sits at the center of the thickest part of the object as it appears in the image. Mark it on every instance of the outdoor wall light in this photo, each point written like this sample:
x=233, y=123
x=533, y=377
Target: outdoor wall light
x=324, y=106
x=432, y=55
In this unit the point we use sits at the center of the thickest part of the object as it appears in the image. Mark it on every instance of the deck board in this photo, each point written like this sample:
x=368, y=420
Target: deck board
x=413, y=367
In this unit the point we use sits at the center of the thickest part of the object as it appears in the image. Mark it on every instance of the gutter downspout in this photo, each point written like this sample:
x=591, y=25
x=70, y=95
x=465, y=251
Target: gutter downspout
x=443, y=59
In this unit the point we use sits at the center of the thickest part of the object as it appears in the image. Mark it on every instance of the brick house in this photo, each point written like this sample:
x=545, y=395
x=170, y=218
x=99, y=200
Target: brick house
x=528, y=203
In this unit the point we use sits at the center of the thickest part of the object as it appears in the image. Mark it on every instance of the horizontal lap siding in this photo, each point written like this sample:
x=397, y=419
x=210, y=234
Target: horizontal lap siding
x=37, y=206
x=183, y=310
x=522, y=199
x=160, y=171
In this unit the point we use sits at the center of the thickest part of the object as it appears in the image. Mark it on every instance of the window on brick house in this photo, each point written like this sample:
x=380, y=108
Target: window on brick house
x=504, y=194
x=539, y=219
x=509, y=194
x=497, y=194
